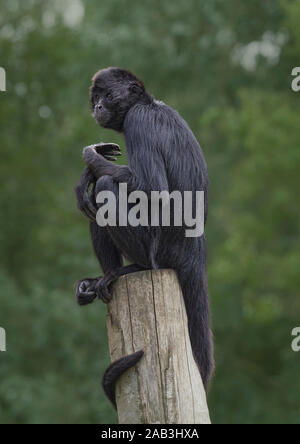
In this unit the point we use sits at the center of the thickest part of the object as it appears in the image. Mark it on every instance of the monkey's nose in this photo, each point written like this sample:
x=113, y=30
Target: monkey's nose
x=99, y=107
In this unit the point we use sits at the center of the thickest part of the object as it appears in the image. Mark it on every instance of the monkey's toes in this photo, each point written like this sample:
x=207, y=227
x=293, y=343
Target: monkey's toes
x=85, y=292
x=103, y=292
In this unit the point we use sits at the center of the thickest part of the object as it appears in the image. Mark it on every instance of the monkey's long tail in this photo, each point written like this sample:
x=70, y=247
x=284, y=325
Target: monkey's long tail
x=115, y=370
x=195, y=293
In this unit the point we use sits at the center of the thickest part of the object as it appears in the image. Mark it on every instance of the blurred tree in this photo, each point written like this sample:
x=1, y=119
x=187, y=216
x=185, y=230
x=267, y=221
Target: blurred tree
x=226, y=67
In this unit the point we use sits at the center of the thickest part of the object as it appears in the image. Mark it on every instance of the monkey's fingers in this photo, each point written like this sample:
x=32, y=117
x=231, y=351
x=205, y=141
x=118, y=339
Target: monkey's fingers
x=104, y=148
x=112, y=159
x=111, y=153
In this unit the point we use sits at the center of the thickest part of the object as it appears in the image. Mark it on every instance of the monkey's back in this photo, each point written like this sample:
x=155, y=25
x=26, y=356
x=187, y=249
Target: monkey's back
x=164, y=155
x=157, y=134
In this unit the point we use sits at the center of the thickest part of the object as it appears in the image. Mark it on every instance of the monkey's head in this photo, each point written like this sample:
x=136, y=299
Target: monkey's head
x=113, y=92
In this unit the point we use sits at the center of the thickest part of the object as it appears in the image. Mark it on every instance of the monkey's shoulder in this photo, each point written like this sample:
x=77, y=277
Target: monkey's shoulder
x=158, y=125
x=156, y=116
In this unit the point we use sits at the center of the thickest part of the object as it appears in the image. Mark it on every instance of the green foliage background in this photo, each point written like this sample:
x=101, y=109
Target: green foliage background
x=226, y=67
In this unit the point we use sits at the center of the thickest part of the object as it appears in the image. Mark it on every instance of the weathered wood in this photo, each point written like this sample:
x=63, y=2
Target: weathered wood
x=147, y=313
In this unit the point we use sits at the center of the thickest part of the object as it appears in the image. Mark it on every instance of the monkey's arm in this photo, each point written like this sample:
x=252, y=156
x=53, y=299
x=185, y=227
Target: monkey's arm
x=146, y=175
x=84, y=198
x=88, y=289
x=98, y=164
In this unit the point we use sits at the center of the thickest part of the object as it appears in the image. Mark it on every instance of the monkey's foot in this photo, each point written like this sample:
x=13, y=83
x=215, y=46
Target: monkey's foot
x=102, y=290
x=86, y=291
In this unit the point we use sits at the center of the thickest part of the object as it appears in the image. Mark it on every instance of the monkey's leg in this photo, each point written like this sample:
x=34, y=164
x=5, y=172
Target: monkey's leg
x=88, y=289
x=102, y=287
x=133, y=241
x=108, y=254
x=109, y=243
x=109, y=258
x=106, y=251
x=121, y=238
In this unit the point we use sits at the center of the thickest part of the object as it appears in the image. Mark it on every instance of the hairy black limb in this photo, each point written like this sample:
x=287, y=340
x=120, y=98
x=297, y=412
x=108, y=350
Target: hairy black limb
x=84, y=202
x=87, y=290
x=85, y=199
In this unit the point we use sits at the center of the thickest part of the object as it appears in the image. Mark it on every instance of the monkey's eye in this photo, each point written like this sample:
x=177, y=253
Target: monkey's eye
x=96, y=98
x=109, y=97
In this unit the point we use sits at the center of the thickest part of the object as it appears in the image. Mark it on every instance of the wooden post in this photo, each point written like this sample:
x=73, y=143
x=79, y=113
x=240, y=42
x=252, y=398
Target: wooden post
x=147, y=313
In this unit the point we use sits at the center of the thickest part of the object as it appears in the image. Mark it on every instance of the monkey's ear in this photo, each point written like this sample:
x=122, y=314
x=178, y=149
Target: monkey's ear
x=135, y=88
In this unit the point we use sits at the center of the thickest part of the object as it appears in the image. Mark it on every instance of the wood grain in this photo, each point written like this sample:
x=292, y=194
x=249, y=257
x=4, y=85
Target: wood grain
x=147, y=313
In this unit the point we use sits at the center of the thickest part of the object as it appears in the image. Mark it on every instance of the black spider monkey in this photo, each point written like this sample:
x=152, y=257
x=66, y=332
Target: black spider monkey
x=163, y=155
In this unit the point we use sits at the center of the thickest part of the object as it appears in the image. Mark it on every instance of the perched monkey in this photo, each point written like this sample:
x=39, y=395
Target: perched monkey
x=163, y=155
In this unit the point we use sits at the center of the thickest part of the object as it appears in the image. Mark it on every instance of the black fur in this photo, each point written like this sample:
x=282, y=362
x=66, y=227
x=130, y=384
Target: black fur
x=163, y=154
x=115, y=370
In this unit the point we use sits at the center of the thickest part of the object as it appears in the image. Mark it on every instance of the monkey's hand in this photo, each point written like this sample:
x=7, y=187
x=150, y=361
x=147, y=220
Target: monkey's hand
x=100, y=164
x=108, y=150
x=84, y=200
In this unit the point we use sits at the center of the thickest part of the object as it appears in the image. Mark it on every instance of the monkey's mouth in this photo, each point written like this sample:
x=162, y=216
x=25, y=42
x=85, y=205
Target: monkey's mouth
x=102, y=117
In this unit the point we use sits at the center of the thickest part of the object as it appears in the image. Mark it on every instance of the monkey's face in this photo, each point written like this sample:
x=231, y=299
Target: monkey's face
x=113, y=92
x=103, y=109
